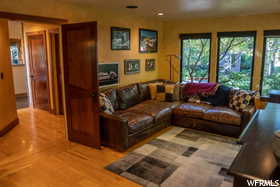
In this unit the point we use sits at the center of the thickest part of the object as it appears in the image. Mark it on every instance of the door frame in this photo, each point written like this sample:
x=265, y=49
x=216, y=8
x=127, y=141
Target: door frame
x=30, y=34
x=56, y=45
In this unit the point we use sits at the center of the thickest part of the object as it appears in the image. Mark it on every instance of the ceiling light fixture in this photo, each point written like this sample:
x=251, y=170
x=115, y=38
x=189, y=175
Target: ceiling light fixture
x=160, y=14
x=131, y=6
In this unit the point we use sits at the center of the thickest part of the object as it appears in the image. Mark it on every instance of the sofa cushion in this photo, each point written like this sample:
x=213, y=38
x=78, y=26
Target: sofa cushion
x=223, y=115
x=170, y=105
x=111, y=94
x=136, y=121
x=193, y=110
x=144, y=91
x=155, y=109
x=128, y=96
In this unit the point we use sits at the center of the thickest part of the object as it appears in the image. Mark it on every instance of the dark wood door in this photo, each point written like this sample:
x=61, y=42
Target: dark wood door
x=81, y=83
x=39, y=70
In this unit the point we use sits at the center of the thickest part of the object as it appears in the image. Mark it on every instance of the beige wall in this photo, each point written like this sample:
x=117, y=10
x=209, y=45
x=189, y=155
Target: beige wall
x=105, y=19
x=257, y=23
x=7, y=98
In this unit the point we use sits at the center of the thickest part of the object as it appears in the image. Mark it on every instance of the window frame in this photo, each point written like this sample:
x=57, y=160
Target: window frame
x=236, y=34
x=266, y=34
x=196, y=36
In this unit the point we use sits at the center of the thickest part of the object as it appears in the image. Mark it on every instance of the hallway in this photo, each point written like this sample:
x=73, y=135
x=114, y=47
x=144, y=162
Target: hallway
x=36, y=153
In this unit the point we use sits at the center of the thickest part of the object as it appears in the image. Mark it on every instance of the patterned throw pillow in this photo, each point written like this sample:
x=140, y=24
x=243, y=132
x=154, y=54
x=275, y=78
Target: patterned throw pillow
x=241, y=99
x=153, y=89
x=178, y=91
x=165, y=92
x=105, y=104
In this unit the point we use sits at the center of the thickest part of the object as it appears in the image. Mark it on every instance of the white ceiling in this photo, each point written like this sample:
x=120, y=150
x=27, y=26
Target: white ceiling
x=177, y=9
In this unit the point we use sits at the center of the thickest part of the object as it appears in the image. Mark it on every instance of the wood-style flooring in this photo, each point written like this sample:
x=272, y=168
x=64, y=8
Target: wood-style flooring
x=36, y=154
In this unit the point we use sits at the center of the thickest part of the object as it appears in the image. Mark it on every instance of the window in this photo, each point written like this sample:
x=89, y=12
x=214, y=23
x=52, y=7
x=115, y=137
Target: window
x=15, y=50
x=195, y=57
x=236, y=59
x=271, y=62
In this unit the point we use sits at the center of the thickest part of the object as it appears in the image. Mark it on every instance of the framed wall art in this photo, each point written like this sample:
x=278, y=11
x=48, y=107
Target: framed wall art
x=108, y=74
x=150, y=64
x=120, y=38
x=148, y=41
x=131, y=66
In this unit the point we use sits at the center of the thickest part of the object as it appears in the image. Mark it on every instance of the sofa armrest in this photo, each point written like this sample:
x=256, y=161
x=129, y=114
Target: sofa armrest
x=114, y=131
x=247, y=115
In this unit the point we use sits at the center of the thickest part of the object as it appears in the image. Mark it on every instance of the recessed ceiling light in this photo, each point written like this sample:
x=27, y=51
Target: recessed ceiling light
x=132, y=6
x=160, y=14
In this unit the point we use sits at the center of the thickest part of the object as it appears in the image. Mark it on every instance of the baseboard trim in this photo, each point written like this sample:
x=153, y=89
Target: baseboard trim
x=9, y=127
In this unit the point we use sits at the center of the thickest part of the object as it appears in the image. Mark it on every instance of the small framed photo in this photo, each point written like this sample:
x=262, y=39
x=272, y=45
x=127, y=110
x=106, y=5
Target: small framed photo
x=120, y=38
x=108, y=74
x=131, y=66
x=150, y=64
x=148, y=41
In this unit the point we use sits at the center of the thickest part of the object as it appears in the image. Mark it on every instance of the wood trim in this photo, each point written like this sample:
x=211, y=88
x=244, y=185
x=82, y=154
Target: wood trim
x=9, y=127
x=25, y=17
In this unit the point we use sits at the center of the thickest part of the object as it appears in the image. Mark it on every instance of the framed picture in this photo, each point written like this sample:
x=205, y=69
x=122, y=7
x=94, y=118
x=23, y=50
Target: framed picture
x=108, y=74
x=150, y=64
x=131, y=66
x=120, y=38
x=148, y=41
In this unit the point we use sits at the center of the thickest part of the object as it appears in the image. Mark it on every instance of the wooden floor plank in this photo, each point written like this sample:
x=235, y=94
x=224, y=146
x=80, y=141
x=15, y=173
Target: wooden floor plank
x=37, y=154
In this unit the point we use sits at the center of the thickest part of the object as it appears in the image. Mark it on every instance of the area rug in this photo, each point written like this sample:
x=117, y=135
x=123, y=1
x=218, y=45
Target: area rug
x=180, y=158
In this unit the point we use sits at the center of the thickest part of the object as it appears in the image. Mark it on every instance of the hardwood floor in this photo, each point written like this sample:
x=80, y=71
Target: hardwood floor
x=36, y=154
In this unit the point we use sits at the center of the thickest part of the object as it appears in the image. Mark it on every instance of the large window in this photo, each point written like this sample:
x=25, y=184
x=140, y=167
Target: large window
x=271, y=63
x=195, y=57
x=235, y=59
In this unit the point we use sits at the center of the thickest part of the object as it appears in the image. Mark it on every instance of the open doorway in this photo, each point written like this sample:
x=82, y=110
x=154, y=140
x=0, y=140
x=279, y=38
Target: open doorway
x=35, y=58
x=18, y=62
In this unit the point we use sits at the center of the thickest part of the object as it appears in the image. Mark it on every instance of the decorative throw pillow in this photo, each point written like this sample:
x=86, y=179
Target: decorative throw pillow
x=165, y=92
x=153, y=89
x=105, y=104
x=241, y=99
x=177, y=92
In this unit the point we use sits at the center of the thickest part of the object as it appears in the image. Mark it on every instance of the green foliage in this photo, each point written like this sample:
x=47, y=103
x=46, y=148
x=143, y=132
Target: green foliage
x=195, y=59
x=271, y=78
x=235, y=61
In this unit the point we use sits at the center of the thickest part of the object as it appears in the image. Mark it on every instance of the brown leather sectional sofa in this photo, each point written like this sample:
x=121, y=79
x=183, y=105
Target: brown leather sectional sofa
x=137, y=117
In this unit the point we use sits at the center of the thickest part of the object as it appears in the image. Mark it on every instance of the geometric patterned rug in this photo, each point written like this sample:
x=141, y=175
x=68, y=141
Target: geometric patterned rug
x=180, y=158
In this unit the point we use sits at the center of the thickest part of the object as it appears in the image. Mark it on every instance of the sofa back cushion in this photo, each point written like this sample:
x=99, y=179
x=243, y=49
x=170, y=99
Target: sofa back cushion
x=111, y=94
x=144, y=91
x=128, y=96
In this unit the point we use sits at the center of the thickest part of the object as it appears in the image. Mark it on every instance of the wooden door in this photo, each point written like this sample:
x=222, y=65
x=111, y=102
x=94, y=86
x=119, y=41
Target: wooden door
x=81, y=84
x=39, y=70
